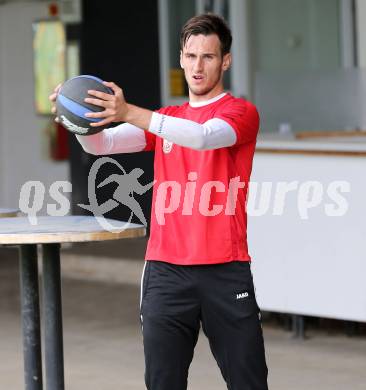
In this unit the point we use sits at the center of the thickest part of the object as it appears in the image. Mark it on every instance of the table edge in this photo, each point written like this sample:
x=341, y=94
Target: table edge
x=53, y=238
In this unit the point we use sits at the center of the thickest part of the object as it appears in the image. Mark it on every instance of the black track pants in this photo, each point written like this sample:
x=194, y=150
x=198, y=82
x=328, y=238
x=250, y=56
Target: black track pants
x=176, y=299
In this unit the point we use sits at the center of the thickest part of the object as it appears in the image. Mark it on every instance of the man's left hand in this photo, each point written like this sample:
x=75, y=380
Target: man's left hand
x=115, y=106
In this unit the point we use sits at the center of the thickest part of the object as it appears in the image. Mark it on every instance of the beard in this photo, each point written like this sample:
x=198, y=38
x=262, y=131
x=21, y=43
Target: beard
x=199, y=91
x=204, y=90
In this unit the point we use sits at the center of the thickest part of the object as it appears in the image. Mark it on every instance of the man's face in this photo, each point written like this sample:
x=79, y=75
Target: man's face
x=204, y=66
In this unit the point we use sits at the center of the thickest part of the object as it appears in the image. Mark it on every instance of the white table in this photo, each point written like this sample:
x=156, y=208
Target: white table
x=49, y=232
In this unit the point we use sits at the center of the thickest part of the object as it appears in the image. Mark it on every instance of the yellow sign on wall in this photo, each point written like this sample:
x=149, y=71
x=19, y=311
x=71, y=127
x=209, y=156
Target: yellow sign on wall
x=49, y=48
x=177, y=82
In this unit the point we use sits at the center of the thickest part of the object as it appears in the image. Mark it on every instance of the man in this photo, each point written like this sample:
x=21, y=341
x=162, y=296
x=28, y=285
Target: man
x=198, y=266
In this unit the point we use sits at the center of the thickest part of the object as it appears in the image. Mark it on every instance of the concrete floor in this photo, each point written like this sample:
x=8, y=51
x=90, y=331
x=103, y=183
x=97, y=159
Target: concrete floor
x=102, y=340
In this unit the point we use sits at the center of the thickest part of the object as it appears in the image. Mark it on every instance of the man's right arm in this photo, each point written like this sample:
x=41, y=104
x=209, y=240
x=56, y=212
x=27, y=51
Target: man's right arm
x=124, y=138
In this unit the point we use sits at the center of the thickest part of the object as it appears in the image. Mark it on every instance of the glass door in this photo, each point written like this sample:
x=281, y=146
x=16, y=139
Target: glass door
x=172, y=16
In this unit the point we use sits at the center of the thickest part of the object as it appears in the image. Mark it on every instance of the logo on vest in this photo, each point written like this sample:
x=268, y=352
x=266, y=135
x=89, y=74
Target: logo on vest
x=242, y=295
x=167, y=146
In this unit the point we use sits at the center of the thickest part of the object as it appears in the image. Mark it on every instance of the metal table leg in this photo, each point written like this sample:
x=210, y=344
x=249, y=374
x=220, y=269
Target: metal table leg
x=30, y=317
x=298, y=326
x=52, y=305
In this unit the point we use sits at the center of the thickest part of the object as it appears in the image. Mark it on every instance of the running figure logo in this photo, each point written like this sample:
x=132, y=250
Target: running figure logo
x=128, y=184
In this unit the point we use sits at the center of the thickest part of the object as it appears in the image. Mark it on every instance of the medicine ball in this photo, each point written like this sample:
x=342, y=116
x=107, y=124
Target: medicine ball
x=71, y=107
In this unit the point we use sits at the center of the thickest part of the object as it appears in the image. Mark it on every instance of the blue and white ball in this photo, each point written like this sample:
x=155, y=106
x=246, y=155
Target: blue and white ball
x=71, y=107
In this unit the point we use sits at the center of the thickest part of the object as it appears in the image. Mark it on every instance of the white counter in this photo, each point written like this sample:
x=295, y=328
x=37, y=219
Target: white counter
x=306, y=261
x=273, y=141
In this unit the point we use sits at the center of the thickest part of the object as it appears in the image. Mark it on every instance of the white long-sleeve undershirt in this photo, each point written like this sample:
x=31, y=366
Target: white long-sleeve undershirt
x=213, y=134
x=127, y=138
x=124, y=138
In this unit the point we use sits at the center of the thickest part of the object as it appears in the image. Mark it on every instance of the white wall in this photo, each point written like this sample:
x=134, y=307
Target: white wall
x=21, y=130
x=361, y=32
x=1, y=111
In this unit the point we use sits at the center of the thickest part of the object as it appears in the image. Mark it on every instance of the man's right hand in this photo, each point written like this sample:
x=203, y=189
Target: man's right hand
x=53, y=97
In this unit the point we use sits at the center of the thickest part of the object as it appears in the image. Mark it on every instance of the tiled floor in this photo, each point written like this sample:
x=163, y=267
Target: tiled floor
x=103, y=349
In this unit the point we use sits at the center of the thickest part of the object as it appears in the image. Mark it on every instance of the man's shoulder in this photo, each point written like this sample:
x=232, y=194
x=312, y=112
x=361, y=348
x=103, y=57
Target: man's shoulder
x=238, y=102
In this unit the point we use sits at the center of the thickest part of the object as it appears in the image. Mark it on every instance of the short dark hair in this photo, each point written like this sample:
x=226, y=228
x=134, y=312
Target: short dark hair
x=208, y=24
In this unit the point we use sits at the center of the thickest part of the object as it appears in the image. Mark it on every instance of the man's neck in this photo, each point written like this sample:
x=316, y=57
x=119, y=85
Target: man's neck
x=201, y=103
